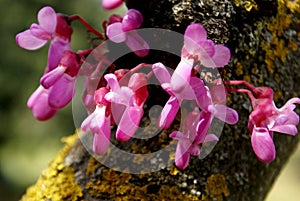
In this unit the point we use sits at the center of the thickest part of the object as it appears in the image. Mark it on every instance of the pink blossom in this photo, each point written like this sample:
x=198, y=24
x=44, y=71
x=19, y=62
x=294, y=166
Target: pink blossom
x=52, y=27
x=266, y=118
x=124, y=31
x=127, y=103
x=38, y=103
x=178, y=87
x=99, y=122
x=198, y=46
x=190, y=139
x=111, y=4
x=61, y=80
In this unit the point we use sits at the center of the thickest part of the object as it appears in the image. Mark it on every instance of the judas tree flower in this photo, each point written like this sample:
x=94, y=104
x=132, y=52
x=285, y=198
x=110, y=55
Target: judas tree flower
x=178, y=87
x=198, y=46
x=124, y=31
x=99, y=122
x=128, y=103
x=52, y=27
x=38, y=103
x=111, y=4
x=61, y=80
x=190, y=139
x=265, y=119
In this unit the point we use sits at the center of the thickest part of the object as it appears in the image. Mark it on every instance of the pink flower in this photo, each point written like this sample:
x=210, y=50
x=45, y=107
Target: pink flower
x=52, y=27
x=198, y=46
x=125, y=32
x=127, y=103
x=266, y=118
x=190, y=139
x=99, y=122
x=38, y=103
x=111, y=4
x=178, y=87
x=61, y=80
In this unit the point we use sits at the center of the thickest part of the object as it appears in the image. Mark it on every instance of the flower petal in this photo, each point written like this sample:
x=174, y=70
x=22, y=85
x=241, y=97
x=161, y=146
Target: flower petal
x=132, y=20
x=111, y=4
x=38, y=103
x=226, y=114
x=27, y=41
x=112, y=82
x=263, y=145
x=182, y=156
x=62, y=92
x=37, y=31
x=161, y=73
x=168, y=113
x=286, y=129
x=137, y=44
x=221, y=56
x=56, y=50
x=47, y=19
x=115, y=33
x=129, y=123
x=181, y=75
x=53, y=76
x=194, y=33
x=102, y=140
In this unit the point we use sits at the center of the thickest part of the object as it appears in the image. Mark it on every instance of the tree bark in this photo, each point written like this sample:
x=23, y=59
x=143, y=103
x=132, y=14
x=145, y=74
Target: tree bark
x=263, y=36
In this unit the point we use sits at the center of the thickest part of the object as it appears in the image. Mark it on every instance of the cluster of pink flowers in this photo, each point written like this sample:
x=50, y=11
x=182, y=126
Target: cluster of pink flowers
x=117, y=97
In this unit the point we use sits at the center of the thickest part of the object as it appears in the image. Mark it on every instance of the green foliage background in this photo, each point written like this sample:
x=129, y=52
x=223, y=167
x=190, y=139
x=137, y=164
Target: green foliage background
x=27, y=145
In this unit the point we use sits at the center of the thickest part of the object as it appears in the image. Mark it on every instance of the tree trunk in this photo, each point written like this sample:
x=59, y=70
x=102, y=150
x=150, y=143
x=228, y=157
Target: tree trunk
x=263, y=36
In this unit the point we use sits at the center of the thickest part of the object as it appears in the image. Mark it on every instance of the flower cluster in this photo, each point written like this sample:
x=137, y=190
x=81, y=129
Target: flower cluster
x=114, y=96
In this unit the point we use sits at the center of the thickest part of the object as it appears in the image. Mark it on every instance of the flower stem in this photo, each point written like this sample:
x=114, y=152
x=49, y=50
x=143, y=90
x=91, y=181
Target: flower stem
x=87, y=25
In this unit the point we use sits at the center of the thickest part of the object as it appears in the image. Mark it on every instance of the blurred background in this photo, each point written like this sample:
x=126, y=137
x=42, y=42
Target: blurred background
x=27, y=145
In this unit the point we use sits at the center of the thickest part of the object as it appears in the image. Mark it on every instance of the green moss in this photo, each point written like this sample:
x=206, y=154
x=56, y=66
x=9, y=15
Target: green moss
x=57, y=182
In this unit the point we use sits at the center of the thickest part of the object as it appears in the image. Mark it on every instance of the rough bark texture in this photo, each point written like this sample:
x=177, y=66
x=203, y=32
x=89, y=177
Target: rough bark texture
x=264, y=37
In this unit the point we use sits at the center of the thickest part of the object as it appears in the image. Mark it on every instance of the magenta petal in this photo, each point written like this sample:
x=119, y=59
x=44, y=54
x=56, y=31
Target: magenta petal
x=286, y=129
x=115, y=33
x=39, y=32
x=51, y=77
x=182, y=156
x=27, y=41
x=137, y=44
x=168, y=113
x=62, y=92
x=194, y=150
x=102, y=140
x=38, y=103
x=221, y=56
x=194, y=33
x=161, y=73
x=226, y=114
x=111, y=4
x=56, y=50
x=205, y=49
x=132, y=20
x=47, y=19
x=112, y=81
x=211, y=137
x=129, y=123
x=181, y=76
x=263, y=145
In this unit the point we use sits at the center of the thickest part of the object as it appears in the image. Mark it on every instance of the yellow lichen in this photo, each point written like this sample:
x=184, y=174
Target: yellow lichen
x=216, y=188
x=93, y=165
x=248, y=4
x=57, y=182
x=116, y=186
x=278, y=48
